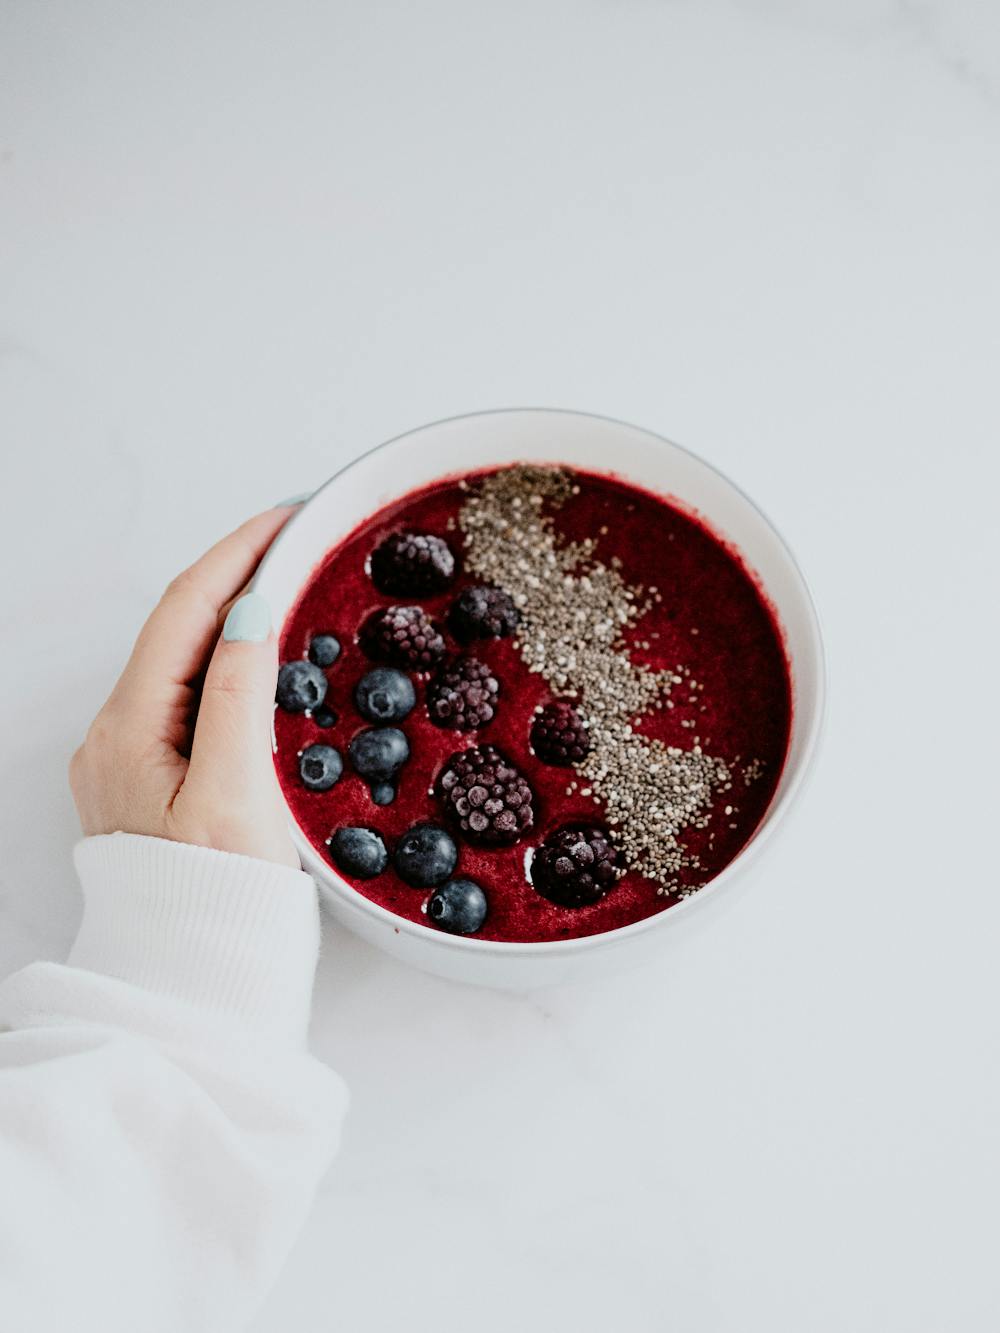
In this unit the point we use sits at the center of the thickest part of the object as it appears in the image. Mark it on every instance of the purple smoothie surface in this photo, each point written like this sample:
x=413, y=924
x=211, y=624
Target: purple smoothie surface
x=712, y=622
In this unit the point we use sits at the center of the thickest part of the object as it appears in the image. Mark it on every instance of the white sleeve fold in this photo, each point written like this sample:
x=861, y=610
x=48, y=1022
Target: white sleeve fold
x=235, y=936
x=162, y=1126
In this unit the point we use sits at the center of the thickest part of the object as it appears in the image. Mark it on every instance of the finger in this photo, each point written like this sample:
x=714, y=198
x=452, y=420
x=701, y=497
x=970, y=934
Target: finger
x=176, y=639
x=231, y=753
x=179, y=732
x=228, y=605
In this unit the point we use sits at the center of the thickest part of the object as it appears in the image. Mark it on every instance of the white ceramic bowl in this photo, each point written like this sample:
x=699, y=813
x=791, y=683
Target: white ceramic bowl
x=599, y=445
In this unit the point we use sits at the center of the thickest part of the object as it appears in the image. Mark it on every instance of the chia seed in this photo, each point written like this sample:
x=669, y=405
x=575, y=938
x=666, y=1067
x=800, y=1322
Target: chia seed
x=575, y=613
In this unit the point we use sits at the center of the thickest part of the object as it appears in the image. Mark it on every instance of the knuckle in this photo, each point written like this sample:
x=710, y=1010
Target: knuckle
x=107, y=740
x=181, y=583
x=187, y=586
x=100, y=735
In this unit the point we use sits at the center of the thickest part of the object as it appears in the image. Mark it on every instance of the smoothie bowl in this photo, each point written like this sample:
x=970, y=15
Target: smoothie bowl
x=548, y=684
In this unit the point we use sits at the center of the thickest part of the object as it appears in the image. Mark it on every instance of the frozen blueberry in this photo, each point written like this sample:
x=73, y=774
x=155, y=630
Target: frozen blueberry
x=383, y=793
x=320, y=766
x=458, y=906
x=324, y=650
x=324, y=717
x=425, y=855
x=301, y=685
x=384, y=695
x=359, y=852
x=378, y=753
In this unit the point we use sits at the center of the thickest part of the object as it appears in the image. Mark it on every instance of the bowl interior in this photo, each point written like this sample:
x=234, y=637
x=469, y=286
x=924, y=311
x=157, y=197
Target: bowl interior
x=599, y=445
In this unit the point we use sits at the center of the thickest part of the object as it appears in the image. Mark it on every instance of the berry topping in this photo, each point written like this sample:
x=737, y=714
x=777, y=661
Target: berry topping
x=575, y=865
x=359, y=852
x=458, y=906
x=412, y=564
x=484, y=612
x=425, y=855
x=463, y=694
x=378, y=753
x=404, y=635
x=301, y=685
x=384, y=695
x=324, y=650
x=324, y=716
x=485, y=795
x=558, y=734
x=320, y=766
x=383, y=793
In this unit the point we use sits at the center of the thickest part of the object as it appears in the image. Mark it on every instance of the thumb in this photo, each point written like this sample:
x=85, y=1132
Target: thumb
x=231, y=752
x=230, y=798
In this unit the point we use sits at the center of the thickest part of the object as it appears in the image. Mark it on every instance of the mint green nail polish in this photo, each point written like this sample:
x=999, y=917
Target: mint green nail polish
x=249, y=620
x=294, y=500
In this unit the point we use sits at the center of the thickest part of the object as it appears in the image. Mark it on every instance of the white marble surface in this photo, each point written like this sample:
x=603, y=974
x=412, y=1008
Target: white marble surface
x=241, y=242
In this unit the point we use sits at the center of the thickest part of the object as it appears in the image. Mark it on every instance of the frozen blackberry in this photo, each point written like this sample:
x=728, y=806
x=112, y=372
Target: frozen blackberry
x=575, y=865
x=484, y=612
x=463, y=694
x=403, y=635
x=412, y=564
x=486, y=796
x=558, y=734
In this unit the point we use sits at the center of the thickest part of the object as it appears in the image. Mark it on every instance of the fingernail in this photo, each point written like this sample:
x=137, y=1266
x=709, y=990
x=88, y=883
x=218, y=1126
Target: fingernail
x=249, y=620
x=294, y=500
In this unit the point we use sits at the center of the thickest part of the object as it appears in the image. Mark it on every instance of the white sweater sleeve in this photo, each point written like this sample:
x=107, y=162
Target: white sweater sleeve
x=162, y=1125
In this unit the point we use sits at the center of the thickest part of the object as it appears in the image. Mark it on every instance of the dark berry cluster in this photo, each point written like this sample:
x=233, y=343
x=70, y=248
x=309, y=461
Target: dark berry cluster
x=484, y=612
x=403, y=635
x=412, y=564
x=463, y=695
x=486, y=796
x=575, y=865
x=558, y=734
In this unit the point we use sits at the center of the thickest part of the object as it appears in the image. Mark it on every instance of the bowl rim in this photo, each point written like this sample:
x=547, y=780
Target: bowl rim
x=774, y=817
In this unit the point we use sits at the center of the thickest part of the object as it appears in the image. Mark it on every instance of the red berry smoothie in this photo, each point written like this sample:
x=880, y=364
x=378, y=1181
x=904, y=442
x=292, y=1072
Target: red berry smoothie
x=703, y=620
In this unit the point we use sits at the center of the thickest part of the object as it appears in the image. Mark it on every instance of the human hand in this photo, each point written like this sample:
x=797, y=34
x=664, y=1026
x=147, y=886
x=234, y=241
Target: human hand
x=182, y=748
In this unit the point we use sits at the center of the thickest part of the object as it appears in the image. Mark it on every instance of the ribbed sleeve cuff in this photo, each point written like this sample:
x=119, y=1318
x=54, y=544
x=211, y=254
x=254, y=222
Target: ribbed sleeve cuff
x=230, y=934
